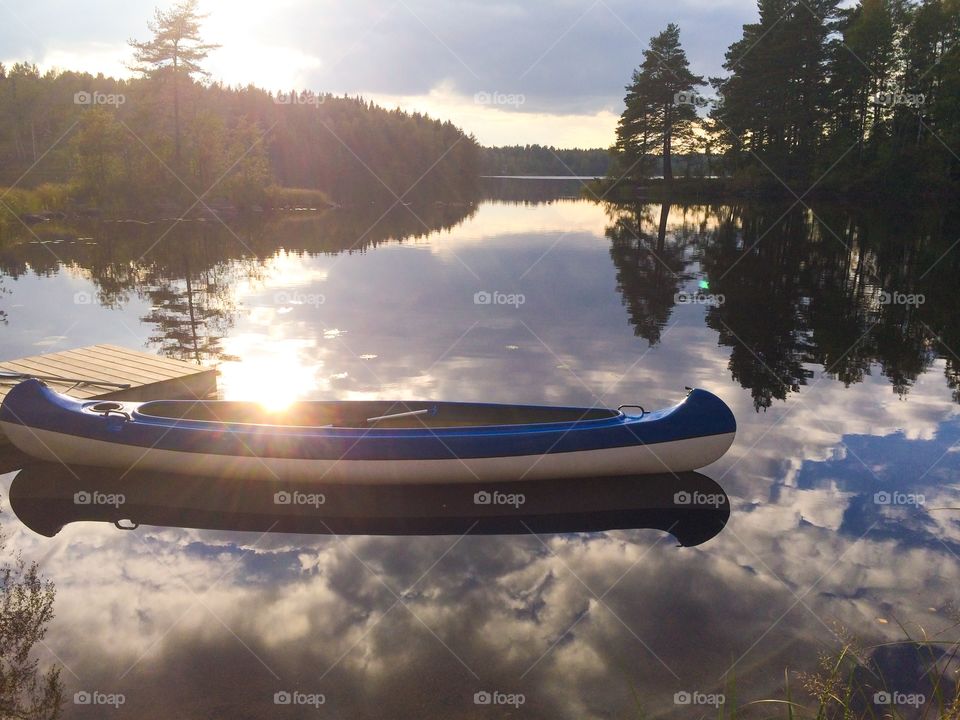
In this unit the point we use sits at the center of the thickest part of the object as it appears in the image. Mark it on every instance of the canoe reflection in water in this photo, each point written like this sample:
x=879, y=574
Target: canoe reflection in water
x=689, y=506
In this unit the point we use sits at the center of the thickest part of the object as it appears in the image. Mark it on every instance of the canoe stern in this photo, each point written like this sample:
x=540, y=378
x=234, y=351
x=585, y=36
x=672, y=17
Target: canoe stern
x=32, y=404
x=703, y=427
x=34, y=401
x=706, y=414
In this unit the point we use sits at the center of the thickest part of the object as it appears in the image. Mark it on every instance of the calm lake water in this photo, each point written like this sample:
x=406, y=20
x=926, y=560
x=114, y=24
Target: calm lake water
x=833, y=335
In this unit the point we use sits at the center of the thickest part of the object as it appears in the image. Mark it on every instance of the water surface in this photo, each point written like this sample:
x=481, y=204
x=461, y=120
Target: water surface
x=845, y=390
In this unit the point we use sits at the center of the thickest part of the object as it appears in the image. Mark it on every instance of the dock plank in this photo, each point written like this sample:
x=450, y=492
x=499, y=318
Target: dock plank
x=64, y=368
x=150, y=377
x=124, y=361
x=151, y=360
x=35, y=369
x=102, y=368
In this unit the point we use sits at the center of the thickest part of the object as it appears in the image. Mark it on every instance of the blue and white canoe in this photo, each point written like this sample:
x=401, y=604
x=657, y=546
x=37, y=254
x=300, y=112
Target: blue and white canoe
x=378, y=442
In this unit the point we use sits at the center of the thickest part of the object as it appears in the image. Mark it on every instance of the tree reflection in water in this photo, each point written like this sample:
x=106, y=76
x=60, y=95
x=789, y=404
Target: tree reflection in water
x=188, y=271
x=26, y=609
x=799, y=288
x=804, y=291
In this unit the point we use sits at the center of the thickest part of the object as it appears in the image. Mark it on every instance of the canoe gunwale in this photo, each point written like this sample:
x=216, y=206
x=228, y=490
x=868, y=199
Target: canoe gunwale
x=579, y=419
x=373, y=432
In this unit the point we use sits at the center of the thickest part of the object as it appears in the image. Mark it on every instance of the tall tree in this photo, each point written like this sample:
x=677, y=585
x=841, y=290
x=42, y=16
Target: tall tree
x=931, y=59
x=21, y=100
x=861, y=72
x=657, y=113
x=175, y=52
x=776, y=98
x=947, y=106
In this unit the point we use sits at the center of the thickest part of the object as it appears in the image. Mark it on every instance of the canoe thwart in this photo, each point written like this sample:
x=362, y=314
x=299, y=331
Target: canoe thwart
x=394, y=416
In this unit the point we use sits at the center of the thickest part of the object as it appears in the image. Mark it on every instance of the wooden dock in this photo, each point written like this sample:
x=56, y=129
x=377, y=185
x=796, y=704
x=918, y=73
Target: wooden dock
x=150, y=377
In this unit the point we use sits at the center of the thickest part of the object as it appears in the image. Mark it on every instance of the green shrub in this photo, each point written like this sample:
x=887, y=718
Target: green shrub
x=285, y=198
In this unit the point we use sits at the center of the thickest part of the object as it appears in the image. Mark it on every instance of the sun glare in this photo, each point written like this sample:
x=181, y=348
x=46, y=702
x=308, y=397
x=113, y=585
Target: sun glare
x=273, y=378
x=278, y=405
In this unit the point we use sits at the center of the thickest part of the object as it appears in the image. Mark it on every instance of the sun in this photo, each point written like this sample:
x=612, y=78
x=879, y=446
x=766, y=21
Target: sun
x=274, y=376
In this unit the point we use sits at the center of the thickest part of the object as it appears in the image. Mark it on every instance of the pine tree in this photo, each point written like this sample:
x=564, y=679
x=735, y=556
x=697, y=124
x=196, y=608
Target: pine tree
x=175, y=51
x=861, y=73
x=776, y=99
x=751, y=111
x=656, y=116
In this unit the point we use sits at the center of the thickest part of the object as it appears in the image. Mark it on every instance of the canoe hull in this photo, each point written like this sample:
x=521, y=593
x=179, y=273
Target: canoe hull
x=671, y=456
x=57, y=428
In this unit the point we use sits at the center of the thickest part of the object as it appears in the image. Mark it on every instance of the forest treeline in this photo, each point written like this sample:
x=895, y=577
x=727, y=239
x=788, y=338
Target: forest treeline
x=112, y=142
x=862, y=97
x=169, y=140
x=544, y=160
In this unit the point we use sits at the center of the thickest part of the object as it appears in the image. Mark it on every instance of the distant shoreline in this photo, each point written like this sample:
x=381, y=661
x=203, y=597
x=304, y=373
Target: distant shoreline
x=733, y=188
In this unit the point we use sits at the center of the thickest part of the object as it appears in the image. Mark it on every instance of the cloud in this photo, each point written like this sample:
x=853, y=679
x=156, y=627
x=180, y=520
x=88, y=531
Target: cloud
x=564, y=57
x=48, y=30
x=570, y=60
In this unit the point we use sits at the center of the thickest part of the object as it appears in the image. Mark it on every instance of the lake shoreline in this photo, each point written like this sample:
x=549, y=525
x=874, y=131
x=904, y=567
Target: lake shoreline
x=727, y=189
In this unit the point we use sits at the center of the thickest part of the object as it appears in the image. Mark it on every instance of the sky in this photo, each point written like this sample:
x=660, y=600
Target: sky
x=509, y=72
